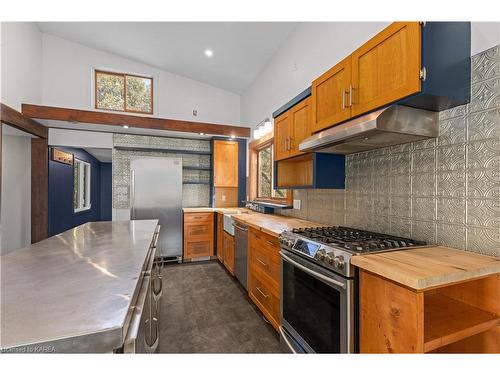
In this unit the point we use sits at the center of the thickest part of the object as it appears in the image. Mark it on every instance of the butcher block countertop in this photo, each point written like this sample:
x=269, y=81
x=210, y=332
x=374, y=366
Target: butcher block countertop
x=267, y=223
x=273, y=224
x=430, y=267
x=222, y=210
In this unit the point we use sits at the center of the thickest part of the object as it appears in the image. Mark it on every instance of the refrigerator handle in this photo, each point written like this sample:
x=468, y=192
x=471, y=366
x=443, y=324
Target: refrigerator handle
x=132, y=193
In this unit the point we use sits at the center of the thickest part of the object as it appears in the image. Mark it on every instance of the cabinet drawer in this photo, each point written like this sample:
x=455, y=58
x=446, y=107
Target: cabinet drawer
x=194, y=249
x=270, y=244
x=267, y=263
x=198, y=229
x=265, y=299
x=198, y=217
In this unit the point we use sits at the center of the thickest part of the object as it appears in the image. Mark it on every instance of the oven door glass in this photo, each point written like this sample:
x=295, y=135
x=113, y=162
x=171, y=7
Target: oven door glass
x=314, y=310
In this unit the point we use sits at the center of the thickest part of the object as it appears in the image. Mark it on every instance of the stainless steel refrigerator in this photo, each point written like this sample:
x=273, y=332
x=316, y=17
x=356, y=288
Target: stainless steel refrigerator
x=156, y=193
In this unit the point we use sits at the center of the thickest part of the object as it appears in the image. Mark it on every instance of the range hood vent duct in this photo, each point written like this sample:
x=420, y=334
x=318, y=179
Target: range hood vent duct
x=389, y=126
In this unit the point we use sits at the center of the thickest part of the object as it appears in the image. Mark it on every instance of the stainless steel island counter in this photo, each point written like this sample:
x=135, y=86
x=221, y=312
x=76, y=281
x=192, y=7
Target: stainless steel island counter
x=75, y=292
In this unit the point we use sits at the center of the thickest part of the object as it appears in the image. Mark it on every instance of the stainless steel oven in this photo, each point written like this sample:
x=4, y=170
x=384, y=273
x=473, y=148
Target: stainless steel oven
x=317, y=308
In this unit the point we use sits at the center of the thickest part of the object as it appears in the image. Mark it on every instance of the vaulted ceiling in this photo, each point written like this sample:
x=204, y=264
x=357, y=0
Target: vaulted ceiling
x=240, y=49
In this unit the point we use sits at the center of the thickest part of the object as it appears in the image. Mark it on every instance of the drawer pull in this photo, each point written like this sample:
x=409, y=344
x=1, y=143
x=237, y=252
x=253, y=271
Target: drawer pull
x=271, y=243
x=261, y=262
x=261, y=292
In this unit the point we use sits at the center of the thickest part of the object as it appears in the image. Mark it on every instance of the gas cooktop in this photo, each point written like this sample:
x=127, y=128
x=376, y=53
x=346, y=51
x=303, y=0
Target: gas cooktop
x=333, y=247
x=356, y=240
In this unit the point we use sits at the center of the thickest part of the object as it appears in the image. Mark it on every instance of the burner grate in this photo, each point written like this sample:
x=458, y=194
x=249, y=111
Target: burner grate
x=356, y=240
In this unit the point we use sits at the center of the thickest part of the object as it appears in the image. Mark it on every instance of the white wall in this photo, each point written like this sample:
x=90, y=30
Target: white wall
x=68, y=82
x=21, y=64
x=484, y=35
x=21, y=82
x=77, y=138
x=311, y=50
x=15, y=224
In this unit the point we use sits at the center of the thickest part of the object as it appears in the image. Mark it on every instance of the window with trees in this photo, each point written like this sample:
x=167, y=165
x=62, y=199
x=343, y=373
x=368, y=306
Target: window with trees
x=265, y=175
x=123, y=92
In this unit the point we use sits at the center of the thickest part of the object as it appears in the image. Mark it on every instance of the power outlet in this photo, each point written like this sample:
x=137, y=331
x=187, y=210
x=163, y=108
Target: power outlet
x=296, y=204
x=223, y=198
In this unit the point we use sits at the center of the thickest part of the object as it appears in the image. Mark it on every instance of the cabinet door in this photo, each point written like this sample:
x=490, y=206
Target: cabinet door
x=282, y=136
x=229, y=252
x=330, y=96
x=300, y=125
x=225, y=164
x=387, y=67
x=220, y=237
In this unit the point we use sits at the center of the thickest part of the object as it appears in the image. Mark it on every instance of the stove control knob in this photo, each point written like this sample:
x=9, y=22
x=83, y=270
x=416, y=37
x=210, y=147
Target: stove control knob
x=289, y=243
x=330, y=258
x=339, y=262
x=320, y=254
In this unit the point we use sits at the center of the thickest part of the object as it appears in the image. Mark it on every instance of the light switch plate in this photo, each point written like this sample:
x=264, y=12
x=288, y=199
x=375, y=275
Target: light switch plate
x=296, y=204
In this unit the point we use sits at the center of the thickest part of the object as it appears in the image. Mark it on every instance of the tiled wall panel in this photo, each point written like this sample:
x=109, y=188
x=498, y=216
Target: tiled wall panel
x=193, y=195
x=444, y=190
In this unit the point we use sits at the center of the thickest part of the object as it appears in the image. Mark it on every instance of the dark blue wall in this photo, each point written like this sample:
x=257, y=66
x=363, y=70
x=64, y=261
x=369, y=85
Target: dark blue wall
x=106, y=191
x=61, y=214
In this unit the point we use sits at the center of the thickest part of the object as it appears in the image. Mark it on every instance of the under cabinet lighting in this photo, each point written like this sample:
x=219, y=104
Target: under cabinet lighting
x=233, y=136
x=263, y=128
x=125, y=126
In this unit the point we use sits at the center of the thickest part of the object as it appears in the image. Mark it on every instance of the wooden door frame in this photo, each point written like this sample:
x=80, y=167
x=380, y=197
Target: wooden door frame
x=39, y=168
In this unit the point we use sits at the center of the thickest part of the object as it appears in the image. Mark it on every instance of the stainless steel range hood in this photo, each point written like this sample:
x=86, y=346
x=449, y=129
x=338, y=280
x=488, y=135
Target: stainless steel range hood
x=389, y=126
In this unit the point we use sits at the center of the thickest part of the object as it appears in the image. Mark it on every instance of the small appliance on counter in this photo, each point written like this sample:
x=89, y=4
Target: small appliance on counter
x=319, y=297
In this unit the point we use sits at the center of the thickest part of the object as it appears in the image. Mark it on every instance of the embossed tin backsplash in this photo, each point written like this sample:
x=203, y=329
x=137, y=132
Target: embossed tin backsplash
x=193, y=195
x=444, y=191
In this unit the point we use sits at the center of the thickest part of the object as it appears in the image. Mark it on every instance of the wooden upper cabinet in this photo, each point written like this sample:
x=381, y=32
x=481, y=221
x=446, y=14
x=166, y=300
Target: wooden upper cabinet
x=330, y=96
x=225, y=164
x=300, y=125
x=282, y=136
x=386, y=68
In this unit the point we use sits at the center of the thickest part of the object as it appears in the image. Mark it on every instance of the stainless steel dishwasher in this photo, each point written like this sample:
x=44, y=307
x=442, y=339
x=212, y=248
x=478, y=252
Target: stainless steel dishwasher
x=241, y=253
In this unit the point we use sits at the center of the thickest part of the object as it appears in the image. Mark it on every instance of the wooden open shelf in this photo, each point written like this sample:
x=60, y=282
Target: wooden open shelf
x=447, y=320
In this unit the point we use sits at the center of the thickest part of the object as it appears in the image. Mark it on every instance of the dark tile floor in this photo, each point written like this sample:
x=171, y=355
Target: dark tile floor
x=205, y=310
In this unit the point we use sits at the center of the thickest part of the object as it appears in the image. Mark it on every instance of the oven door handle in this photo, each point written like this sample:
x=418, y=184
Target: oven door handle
x=287, y=341
x=313, y=273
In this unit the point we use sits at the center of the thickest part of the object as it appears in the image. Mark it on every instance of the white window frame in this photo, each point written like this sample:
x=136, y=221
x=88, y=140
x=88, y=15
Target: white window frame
x=84, y=168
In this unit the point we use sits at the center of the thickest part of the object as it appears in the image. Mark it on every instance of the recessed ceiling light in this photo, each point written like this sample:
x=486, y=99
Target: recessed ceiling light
x=125, y=126
x=209, y=53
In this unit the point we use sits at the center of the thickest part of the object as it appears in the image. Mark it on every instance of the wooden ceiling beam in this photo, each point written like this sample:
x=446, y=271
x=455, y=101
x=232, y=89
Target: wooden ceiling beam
x=19, y=121
x=133, y=121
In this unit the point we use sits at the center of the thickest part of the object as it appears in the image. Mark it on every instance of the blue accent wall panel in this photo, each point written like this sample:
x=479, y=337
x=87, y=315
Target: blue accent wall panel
x=106, y=191
x=61, y=214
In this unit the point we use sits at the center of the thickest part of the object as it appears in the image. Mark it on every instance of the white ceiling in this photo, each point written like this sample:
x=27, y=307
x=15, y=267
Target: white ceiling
x=241, y=49
x=102, y=154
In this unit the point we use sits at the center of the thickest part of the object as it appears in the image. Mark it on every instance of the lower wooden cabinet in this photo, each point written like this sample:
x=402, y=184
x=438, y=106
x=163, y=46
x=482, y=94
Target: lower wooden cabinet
x=198, y=235
x=228, y=245
x=264, y=274
x=220, y=237
x=457, y=318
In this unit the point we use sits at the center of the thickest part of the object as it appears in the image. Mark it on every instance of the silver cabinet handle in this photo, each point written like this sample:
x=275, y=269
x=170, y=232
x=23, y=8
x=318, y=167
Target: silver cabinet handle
x=286, y=144
x=343, y=98
x=158, y=293
x=135, y=323
x=314, y=274
x=132, y=194
x=261, y=262
x=350, y=95
x=261, y=292
x=271, y=243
